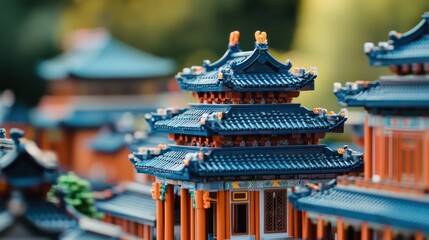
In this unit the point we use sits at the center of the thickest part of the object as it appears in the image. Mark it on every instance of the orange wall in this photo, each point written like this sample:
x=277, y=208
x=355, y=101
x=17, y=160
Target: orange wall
x=113, y=167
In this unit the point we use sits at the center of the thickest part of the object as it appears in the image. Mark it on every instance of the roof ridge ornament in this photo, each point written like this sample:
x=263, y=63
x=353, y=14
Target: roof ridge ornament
x=233, y=38
x=261, y=42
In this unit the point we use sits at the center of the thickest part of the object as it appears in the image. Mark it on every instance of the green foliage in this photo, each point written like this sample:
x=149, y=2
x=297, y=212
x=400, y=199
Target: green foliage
x=76, y=193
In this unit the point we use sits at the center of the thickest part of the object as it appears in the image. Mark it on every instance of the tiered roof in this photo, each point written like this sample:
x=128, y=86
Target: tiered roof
x=239, y=71
x=247, y=75
x=186, y=163
x=231, y=119
x=389, y=92
x=96, y=55
x=402, y=48
x=406, y=54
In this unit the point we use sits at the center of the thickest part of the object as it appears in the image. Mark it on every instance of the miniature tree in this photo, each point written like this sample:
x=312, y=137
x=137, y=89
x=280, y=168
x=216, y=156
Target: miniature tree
x=74, y=191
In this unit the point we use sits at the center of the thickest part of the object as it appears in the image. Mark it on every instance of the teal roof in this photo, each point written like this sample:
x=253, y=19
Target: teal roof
x=246, y=119
x=363, y=204
x=406, y=48
x=255, y=70
x=244, y=161
x=108, y=59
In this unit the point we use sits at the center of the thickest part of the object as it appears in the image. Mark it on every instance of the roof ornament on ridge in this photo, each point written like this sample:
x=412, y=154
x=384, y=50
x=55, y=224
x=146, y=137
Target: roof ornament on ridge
x=255, y=70
x=403, y=48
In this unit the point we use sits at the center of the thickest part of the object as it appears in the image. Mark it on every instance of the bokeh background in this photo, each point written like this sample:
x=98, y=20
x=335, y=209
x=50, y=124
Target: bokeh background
x=328, y=34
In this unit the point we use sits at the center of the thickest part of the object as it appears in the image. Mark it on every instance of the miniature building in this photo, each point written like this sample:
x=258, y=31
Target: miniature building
x=96, y=63
x=94, y=84
x=131, y=207
x=391, y=201
x=26, y=175
x=242, y=149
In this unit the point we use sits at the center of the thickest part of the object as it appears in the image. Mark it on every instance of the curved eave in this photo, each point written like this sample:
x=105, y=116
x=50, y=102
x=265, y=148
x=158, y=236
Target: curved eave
x=306, y=85
x=365, y=205
x=208, y=82
x=338, y=127
x=261, y=54
x=289, y=167
x=210, y=132
x=384, y=61
x=379, y=57
x=225, y=58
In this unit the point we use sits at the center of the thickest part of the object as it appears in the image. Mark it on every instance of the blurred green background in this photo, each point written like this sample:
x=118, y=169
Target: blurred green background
x=328, y=34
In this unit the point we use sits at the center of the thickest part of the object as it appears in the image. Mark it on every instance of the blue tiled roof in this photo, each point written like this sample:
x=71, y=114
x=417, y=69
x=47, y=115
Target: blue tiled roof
x=108, y=142
x=394, y=93
x=110, y=59
x=131, y=205
x=255, y=70
x=246, y=161
x=365, y=205
x=48, y=217
x=23, y=166
x=77, y=233
x=407, y=48
x=247, y=119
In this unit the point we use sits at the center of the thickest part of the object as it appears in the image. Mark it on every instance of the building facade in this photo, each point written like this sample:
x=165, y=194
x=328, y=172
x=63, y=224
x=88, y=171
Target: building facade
x=391, y=201
x=97, y=83
x=242, y=149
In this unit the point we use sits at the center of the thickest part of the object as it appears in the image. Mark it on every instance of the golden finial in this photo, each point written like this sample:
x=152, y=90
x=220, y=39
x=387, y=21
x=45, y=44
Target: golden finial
x=233, y=38
x=261, y=37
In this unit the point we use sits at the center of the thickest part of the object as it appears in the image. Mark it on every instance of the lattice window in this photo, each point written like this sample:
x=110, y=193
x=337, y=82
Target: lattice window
x=275, y=211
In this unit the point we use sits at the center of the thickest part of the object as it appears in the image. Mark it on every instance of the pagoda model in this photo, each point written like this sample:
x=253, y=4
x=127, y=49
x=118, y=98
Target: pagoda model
x=242, y=149
x=391, y=201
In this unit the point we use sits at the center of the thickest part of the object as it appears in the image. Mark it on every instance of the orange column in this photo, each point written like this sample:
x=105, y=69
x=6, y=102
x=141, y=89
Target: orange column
x=296, y=225
x=320, y=228
x=156, y=187
x=227, y=215
x=387, y=233
x=169, y=213
x=132, y=228
x=141, y=233
x=220, y=215
x=125, y=225
x=107, y=218
x=367, y=150
x=340, y=229
x=364, y=231
x=147, y=232
x=419, y=236
x=201, y=216
x=252, y=212
x=290, y=221
x=257, y=217
x=426, y=159
x=184, y=213
x=192, y=219
x=305, y=226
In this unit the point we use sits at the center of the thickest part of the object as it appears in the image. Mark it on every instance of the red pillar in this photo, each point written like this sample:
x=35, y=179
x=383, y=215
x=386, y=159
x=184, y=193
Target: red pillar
x=201, y=216
x=169, y=213
x=184, y=213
